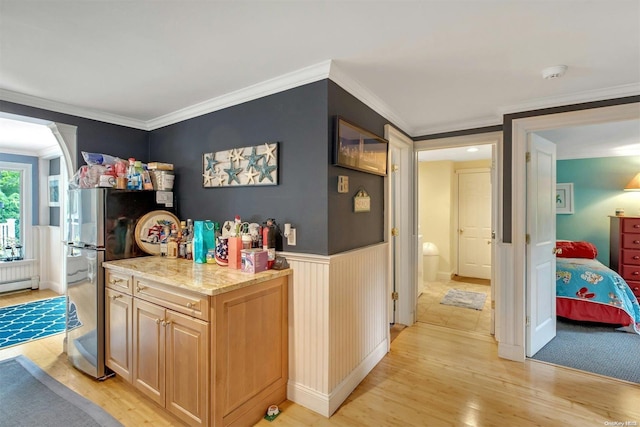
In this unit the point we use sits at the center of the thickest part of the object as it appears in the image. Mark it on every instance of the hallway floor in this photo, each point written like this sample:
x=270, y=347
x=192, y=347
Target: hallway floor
x=431, y=311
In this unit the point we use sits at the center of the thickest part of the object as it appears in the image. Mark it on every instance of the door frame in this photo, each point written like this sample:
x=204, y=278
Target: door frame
x=404, y=261
x=511, y=309
x=496, y=140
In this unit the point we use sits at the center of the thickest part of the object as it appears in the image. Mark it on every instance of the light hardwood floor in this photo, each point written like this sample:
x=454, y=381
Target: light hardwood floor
x=433, y=376
x=431, y=311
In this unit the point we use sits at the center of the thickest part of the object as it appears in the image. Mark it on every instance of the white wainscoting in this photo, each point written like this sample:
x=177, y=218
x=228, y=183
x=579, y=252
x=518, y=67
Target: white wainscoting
x=338, y=326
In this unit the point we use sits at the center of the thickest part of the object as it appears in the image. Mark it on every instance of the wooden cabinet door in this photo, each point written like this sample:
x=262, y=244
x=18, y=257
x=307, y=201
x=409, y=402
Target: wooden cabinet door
x=149, y=350
x=118, y=333
x=187, y=367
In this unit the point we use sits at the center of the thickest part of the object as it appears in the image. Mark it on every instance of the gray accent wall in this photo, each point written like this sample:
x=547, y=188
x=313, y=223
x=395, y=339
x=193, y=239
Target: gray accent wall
x=297, y=120
x=348, y=230
x=301, y=120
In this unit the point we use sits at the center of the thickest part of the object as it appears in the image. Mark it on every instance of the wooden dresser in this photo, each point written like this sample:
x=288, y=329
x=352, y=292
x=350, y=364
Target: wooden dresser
x=625, y=250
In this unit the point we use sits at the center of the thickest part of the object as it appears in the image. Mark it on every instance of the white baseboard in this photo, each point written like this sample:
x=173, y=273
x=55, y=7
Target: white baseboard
x=511, y=352
x=346, y=387
x=327, y=404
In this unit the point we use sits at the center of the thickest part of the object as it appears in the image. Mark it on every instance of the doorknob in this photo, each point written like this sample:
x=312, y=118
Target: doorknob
x=461, y=230
x=556, y=251
x=394, y=231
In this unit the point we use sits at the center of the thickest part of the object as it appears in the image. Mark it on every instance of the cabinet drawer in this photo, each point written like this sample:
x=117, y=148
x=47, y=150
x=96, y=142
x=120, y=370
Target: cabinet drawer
x=174, y=298
x=635, y=287
x=118, y=281
x=631, y=225
x=630, y=257
x=631, y=241
x=630, y=272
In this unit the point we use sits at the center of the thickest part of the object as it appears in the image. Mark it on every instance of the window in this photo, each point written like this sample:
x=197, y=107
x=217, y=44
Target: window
x=15, y=189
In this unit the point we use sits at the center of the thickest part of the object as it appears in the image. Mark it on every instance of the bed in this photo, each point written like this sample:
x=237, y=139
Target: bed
x=587, y=290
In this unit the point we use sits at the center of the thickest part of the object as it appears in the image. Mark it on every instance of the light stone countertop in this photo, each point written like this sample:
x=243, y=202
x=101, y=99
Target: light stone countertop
x=206, y=279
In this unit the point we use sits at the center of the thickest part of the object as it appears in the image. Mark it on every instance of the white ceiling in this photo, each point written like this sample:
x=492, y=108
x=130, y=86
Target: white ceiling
x=427, y=66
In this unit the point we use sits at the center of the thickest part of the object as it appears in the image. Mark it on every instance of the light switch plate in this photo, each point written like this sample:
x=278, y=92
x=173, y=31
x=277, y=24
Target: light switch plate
x=343, y=184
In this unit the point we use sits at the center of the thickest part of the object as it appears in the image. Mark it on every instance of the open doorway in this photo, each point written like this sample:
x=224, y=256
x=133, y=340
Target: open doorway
x=595, y=161
x=48, y=149
x=515, y=306
x=457, y=209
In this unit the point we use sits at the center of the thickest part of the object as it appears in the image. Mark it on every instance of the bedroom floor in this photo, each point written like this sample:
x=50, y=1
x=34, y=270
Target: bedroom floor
x=431, y=311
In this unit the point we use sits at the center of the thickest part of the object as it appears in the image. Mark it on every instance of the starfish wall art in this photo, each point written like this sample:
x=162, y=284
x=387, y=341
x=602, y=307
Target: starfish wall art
x=257, y=165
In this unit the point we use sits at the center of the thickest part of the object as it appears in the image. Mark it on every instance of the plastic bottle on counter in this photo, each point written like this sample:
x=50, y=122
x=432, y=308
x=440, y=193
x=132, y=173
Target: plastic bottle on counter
x=172, y=245
x=133, y=178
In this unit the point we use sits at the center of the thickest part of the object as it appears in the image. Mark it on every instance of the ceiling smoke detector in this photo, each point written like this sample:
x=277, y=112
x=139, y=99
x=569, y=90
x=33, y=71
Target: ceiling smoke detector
x=554, y=72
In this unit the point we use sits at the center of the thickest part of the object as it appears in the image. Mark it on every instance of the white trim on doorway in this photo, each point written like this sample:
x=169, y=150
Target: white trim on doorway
x=498, y=248
x=512, y=307
x=403, y=263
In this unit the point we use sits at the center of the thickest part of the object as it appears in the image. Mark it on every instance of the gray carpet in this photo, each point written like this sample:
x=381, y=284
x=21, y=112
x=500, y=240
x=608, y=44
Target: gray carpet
x=464, y=299
x=30, y=397
x=594, y=348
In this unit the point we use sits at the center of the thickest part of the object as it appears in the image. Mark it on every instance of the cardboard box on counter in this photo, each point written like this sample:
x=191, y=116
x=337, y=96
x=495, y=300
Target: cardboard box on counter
x=160, y=166
x=254, y=260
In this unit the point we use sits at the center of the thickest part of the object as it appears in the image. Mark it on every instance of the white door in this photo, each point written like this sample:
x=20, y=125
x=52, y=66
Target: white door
x=540, y=249
x=474, y=224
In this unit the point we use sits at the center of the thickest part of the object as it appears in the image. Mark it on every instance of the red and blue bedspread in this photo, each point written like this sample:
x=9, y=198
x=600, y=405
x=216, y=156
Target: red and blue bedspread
x=588, y=290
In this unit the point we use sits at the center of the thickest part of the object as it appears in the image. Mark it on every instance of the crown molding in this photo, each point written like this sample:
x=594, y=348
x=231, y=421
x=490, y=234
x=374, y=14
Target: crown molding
x=355, y=88
x=60, y=107
x=574, y=98
x=459, y=126
x=281, y=83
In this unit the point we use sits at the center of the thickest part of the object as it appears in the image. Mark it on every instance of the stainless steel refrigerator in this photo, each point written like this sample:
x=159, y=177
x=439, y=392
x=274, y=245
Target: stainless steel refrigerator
x=101, y=227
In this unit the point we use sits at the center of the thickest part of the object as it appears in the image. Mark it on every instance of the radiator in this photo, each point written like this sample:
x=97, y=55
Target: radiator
x=17, y=275
x=19, y=285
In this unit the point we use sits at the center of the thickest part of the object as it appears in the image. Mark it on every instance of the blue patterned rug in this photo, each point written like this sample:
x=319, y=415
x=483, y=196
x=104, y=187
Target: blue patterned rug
x=34, y=320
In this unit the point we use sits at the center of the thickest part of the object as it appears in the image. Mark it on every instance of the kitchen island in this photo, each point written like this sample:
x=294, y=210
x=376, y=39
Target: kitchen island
x=207, y=343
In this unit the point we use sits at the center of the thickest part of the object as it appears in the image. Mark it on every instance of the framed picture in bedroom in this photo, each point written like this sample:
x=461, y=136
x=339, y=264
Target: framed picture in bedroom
x=564, y=198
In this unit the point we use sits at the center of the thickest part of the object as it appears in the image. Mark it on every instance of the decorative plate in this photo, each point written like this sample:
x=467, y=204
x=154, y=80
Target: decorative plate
x=150, y=230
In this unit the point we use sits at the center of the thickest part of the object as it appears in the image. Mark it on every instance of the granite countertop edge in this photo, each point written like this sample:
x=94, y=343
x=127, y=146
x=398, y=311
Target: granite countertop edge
x=204, y=279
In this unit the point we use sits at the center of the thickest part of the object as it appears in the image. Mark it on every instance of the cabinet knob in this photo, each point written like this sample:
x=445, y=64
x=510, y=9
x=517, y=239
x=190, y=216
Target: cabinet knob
x=115, y=297
x=139, y=288
x=157, y=321
x=115, y=281
x=189, y=305
x=635, y=273
x=166, y=322
x=636, y=225
x=637, y=242
x=636, y=257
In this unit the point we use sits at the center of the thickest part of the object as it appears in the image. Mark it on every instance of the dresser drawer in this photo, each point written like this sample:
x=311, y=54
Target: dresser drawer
x=635, y=287
x=118, y=281
x=630, y=272
x=172, y=297
x=631, y=241
x=630, y=256
x=631, y=225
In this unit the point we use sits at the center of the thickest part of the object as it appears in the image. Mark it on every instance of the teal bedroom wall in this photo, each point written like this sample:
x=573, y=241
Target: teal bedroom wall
x=598, y=190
